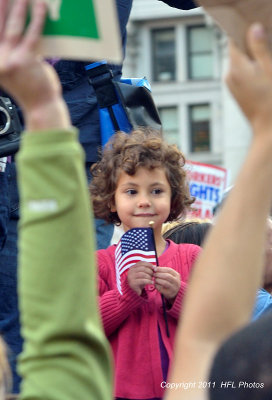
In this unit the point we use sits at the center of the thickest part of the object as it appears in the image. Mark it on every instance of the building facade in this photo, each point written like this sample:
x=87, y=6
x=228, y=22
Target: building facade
x=184, y=56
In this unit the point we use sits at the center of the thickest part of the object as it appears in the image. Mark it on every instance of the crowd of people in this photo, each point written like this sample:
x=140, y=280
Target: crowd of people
x=182, y=323
x=81, y=101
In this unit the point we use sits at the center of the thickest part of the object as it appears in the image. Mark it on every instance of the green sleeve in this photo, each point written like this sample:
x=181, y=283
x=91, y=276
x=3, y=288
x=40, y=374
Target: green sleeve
x=66, y=355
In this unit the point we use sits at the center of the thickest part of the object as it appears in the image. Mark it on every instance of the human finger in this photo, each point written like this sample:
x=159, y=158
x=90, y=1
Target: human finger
x=164, y=276
x=141, y=271
x=3, y=15
x=159, y=288
x=236, y=56
x=259, y=47
x=160, y=271
x=235, y=53
x=143, y=267
x=143, y=275
x=144, y=281
x=15, y=22
x=166, y=284
x=35, y=27
x=238, y=61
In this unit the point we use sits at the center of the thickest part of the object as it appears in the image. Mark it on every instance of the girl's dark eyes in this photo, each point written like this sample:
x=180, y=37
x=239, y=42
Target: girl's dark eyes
x=156, y=191
x=131, y=191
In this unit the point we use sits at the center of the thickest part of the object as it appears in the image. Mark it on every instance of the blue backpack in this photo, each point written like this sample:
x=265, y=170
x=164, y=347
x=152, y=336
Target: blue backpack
x=123, y=105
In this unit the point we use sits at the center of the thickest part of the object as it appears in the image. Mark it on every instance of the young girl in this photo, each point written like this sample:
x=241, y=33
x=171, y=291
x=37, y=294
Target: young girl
x=141, y=179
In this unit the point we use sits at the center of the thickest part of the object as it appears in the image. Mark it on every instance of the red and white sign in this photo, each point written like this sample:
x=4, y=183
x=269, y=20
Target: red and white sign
x=207, y=185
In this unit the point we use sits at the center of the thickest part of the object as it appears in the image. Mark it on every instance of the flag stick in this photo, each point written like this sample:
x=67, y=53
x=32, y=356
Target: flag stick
x=151, y=224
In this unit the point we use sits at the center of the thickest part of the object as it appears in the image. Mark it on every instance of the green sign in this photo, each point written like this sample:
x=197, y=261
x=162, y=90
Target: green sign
x=82, y=30
x=71, y=18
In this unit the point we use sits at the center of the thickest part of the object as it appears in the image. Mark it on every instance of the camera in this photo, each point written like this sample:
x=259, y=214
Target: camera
x=10, y=127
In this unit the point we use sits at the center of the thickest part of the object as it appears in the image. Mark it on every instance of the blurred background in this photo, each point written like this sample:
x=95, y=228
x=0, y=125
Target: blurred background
x=185, y=57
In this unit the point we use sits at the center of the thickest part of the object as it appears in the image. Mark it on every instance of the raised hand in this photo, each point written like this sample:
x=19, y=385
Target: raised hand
x=250, y=80
x=31, y=81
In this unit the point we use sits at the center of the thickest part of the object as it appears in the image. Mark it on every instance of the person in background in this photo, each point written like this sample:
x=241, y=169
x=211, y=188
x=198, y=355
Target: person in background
x=82, y=104
x=3, y=202
x=81, y=100
x=188, y=232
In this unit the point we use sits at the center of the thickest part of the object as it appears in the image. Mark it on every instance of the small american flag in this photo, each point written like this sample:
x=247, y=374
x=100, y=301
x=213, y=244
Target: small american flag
x=135, y=245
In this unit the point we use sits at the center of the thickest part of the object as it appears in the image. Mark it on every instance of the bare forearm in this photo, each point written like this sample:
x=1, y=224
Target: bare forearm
x=223, y=287
x=226, y=277
x=233, y=256
x=53, y=115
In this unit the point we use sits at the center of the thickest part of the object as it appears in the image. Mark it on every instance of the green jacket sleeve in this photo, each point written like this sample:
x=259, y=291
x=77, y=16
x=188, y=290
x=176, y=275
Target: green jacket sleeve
x=66, y=355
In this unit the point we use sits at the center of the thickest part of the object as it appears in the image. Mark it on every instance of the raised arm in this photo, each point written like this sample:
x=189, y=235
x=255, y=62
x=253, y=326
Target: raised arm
x=222, y=291
x=65, y=354
x=24, y=74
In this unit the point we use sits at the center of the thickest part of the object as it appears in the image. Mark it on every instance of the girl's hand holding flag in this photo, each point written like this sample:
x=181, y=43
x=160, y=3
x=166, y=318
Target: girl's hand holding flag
x=167, y=282
x=140, y=275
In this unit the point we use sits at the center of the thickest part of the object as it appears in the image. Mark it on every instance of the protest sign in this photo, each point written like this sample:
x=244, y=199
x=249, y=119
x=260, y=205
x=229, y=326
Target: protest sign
x=81, y=30
x=235, y=17
x=207, y=184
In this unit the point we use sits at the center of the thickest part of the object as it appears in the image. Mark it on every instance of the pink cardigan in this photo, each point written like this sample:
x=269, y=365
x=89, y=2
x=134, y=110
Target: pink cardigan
x=131, y=322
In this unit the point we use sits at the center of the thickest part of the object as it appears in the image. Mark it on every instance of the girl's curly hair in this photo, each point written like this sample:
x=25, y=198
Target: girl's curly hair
x=144, y=147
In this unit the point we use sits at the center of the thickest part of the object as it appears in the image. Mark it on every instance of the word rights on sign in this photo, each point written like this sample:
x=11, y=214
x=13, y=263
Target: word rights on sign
x=207, y=184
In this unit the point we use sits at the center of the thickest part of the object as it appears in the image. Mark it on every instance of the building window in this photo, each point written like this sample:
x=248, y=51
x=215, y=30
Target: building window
x=200, y=52
x=200, y=116
x=169, y=119
x=163, y=52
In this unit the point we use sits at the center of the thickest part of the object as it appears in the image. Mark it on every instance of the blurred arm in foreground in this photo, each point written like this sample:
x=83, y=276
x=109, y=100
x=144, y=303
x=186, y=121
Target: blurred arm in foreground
x=66, y=353
x=228, y=273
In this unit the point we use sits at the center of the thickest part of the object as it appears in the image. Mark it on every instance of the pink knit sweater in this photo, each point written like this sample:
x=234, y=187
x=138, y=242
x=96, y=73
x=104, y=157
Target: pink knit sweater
x=131, y=322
